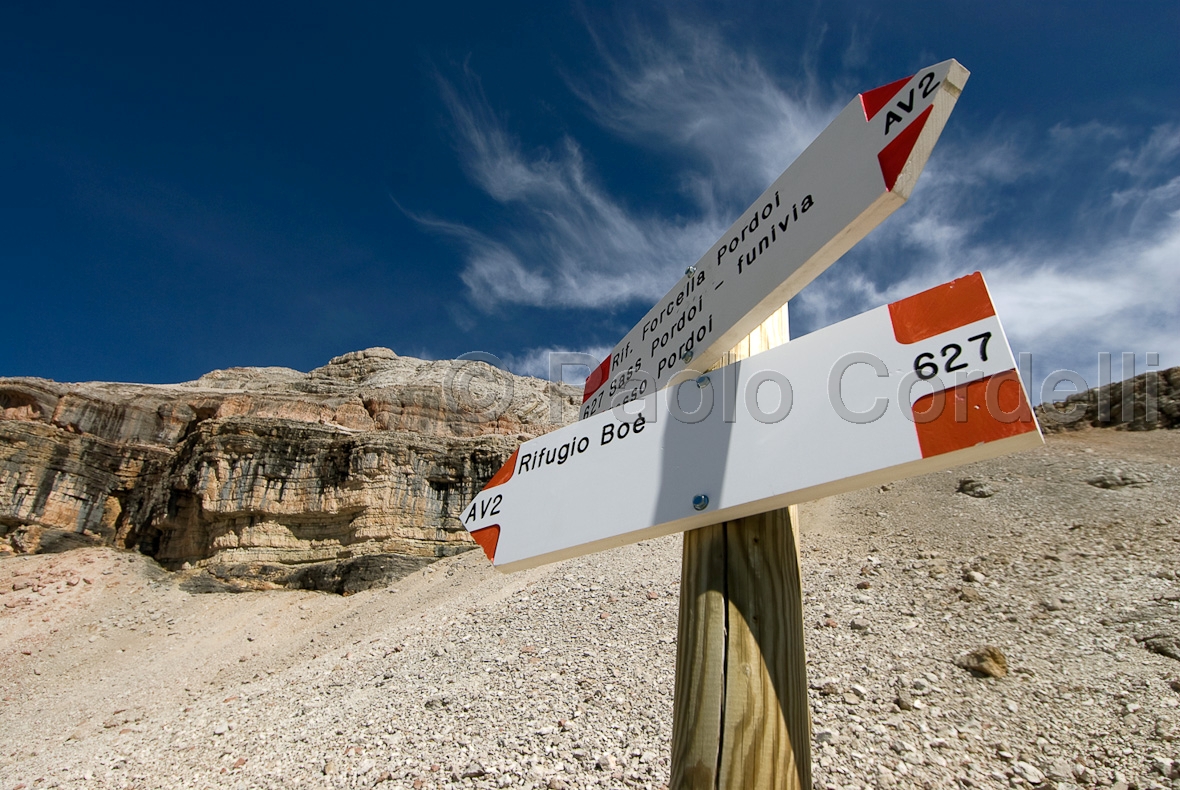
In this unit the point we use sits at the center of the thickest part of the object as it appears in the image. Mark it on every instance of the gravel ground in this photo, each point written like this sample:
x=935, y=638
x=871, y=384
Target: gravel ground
x=562, y=676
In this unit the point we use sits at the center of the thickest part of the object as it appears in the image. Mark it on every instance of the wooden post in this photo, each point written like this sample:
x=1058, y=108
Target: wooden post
x=741, y=719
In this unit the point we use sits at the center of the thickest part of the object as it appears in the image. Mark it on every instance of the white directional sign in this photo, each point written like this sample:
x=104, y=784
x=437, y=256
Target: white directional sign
x=855, y=174
x=916, y=386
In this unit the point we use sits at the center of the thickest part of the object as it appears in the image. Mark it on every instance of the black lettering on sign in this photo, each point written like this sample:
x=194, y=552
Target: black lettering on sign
x=924, y=366
x=494, y=504
x=927, y=368
x=955, y=350
x=591, y=407
x=908, y=107
x=986, y=336
x=482, y=508
x=610, y=431
x=927, y=85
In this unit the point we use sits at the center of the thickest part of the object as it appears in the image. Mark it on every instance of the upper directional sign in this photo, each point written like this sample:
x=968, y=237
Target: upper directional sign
x=923, y=384
x=853, y=176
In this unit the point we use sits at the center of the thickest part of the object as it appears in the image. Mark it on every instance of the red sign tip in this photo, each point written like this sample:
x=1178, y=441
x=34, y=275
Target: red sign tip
x=872, y=101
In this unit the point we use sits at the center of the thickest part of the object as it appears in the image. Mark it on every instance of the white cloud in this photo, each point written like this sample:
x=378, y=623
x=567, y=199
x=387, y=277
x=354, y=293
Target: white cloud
x=1117, y=297
x=1160, y=149
x=573, y=245
x=738, y=126
x=1073, y=271
x=572, y=367
x=1089, y=133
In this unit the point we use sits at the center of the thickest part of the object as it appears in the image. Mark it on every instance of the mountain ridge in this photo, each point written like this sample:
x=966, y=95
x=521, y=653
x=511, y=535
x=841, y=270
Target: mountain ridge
x=256, y=477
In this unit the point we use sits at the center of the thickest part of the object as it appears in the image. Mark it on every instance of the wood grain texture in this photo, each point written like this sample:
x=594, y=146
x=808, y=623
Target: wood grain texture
x=741, y=717
x=697, y=712
x=766, y=734
x=772, y=332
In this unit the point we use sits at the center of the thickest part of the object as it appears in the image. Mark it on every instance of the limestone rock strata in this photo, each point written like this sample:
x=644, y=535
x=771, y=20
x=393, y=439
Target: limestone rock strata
x=257, y=470
x=1145, y=402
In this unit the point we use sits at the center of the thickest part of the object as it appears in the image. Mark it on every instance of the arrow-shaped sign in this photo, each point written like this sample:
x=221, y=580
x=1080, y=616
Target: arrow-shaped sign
x=917, y=386
x=854, y=175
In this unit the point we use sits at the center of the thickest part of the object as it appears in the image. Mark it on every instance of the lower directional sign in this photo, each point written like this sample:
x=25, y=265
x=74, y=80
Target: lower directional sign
x=917, y=386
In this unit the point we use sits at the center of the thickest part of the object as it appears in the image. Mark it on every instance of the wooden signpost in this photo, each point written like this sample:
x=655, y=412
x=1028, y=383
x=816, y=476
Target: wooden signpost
x=922, y=384
x=740, y=712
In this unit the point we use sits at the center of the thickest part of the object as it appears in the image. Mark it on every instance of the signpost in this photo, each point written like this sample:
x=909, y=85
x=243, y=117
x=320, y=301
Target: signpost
x=916, y=386
x=919, y=385
x=860, y=170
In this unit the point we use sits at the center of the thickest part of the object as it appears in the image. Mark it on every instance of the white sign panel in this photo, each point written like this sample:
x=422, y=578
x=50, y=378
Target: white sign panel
x=855, y=174
x=916, y=386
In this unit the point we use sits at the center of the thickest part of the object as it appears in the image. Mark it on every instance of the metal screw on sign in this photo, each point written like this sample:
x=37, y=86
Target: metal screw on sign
x=686, y=357
x=700, y=501
x=690, y=271
x=703, y=382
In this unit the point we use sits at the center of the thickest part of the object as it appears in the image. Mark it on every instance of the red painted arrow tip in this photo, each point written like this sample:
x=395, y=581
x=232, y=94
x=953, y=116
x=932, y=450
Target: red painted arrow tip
x=487, y=538
x=505, y=473
x=894, y=156
x=872, y=101
x=597, y=377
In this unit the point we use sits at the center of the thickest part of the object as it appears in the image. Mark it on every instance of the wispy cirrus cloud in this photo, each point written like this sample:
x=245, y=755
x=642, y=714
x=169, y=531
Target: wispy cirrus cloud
x=735, y=124
x=557, y=364
x=1075, y=268
x=572, y=244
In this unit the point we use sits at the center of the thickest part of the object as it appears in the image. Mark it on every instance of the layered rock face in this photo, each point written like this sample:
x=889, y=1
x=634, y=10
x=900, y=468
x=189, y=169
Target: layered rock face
x=260, y=473
x=335, y=479
x=1142, y=403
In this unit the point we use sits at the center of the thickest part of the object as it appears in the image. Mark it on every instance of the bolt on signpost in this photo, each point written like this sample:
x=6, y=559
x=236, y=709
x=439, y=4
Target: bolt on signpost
x=923, y=384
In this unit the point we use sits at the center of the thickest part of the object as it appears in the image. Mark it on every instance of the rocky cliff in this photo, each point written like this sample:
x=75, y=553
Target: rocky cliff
x=335, y=479
x=1142, y=403
x=267, y=476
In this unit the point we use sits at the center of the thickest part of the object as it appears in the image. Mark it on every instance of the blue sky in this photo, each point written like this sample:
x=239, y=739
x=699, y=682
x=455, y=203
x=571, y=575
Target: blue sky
x=187, y=188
